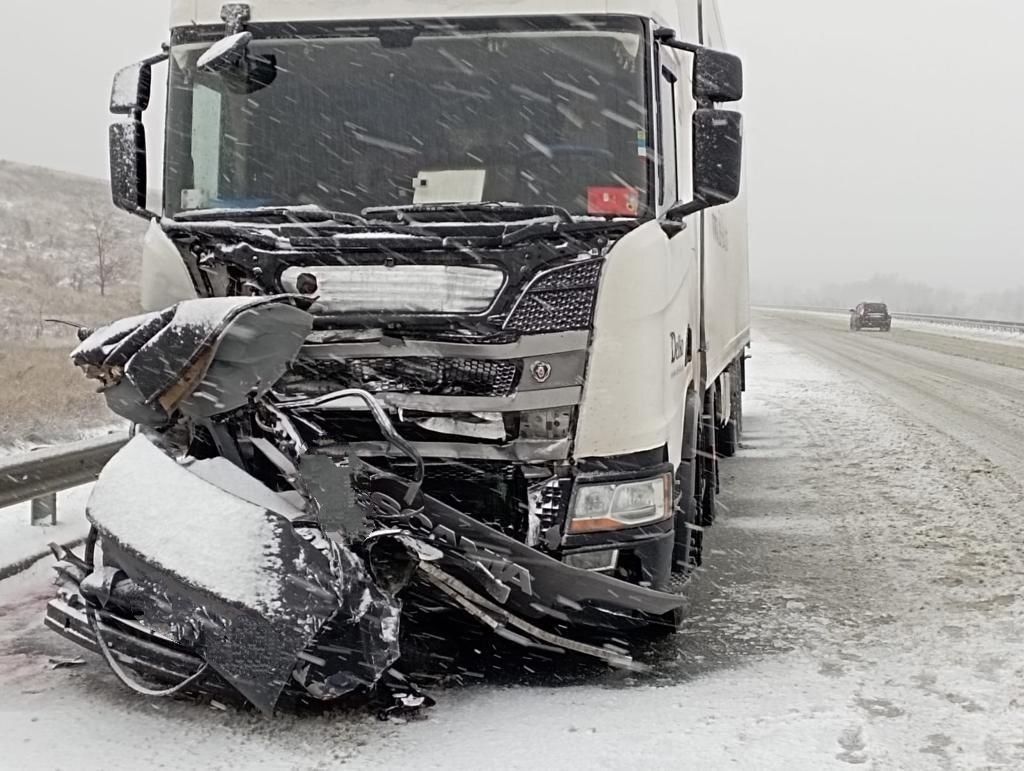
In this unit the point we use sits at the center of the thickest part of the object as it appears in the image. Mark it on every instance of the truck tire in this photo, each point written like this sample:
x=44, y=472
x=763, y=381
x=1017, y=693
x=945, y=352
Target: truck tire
x=728, y=439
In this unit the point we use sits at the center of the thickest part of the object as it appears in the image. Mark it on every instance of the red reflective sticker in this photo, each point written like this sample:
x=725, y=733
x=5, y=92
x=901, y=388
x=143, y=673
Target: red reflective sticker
x=623, y=201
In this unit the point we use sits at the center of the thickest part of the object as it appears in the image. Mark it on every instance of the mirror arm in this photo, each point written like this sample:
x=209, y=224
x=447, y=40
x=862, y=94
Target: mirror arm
x=677, y=212
x=667, y=37
x=671, y=227
x=159, y=58
x=145, y=214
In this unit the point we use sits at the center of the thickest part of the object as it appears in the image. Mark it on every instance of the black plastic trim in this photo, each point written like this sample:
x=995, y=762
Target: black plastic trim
x=632, y=465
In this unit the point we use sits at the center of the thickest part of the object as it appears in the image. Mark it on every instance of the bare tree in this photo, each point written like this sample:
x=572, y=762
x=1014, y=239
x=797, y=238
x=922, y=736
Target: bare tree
x=78, y=277
x=103, y=232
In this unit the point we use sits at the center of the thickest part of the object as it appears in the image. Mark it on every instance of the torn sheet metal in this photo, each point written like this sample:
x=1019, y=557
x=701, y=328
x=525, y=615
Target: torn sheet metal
x=238, y=583
x=483, y=425
x=539, y=586
x=204, y=357
x=226, y=476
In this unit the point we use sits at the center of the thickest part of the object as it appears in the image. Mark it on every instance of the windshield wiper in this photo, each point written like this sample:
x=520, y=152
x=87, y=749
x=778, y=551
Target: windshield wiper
x=573, y=230
x=309, y=214
x=465, y=212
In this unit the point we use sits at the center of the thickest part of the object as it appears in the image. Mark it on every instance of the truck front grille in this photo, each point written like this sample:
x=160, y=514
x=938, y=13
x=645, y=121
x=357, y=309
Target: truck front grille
x=557, y=311
x=560, y=301
x=421, y=375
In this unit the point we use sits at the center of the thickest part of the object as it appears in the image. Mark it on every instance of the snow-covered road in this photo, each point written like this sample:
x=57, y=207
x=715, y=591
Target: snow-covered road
x=863, y=603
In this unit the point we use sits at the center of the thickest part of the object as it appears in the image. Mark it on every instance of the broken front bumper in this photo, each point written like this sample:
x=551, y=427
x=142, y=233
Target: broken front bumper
x=333, y=625
x=530, y=584
x=156, y=658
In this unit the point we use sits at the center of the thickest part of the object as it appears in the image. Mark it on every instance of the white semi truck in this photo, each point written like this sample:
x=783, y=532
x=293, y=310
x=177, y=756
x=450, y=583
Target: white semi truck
x=486, y=271
x=540, y=263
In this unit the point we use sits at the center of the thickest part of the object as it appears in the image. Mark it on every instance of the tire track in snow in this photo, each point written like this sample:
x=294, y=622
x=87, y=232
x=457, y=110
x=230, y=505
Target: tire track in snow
x=978, y=404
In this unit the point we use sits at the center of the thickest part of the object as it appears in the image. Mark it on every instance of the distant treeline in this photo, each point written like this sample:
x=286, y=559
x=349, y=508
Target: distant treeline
x=901, y=295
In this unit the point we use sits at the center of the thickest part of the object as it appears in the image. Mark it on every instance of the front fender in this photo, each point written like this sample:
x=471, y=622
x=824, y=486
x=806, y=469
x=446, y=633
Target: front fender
x=641, y=356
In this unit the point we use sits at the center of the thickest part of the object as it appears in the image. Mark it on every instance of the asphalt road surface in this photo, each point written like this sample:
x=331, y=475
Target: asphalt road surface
x=862, y=604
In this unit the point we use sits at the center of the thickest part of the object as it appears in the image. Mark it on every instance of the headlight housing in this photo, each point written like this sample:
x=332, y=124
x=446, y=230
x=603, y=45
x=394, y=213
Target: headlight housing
x=618, y=505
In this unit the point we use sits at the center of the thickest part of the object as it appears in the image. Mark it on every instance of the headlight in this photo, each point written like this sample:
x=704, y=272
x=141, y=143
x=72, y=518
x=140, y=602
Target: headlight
x=618, y=505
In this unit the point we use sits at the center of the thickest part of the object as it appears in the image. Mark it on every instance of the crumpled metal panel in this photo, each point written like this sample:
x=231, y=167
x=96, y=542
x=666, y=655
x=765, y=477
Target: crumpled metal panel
x=166, y=529
x=522, y=579
x=204, y=357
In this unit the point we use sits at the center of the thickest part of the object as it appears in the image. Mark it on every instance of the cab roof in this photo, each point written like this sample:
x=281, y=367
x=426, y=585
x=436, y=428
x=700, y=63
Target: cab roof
x=681, y=15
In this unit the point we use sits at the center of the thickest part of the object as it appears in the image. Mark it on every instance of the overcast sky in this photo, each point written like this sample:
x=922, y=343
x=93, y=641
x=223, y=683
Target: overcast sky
x=883, y=135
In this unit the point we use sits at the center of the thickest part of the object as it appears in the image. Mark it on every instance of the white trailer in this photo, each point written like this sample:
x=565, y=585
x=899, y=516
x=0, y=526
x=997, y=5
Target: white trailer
x=522, y=222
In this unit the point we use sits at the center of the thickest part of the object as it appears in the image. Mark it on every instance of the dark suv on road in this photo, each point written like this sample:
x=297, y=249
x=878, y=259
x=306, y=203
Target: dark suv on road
x=870, y=316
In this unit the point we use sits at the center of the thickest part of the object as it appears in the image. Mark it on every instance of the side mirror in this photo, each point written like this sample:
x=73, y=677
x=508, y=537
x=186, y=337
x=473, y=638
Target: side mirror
x=128, y=165
x=717, y=76
x=717, y=134
x=717, y=156
x=717, y=161
x=131, y=89
x=129, y=96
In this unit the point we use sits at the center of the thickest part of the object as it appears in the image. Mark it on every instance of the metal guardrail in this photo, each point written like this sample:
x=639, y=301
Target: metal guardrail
x=1014, y=327
x=39, y=475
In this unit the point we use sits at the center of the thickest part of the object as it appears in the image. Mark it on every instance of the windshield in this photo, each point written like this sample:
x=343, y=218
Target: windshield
x=549, y=111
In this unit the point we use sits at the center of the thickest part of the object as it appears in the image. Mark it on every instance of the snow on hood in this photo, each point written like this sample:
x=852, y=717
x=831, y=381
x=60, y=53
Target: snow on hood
x=209, y=312
x=225, y=475
x=157, y=508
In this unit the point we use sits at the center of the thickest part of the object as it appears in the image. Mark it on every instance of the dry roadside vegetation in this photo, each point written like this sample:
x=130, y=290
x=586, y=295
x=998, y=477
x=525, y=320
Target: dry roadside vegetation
x=65, y=253
x=43, y=398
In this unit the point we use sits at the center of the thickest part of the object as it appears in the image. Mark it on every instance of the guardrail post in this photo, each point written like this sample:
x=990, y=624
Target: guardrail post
x=36, y=474
x=44, y=508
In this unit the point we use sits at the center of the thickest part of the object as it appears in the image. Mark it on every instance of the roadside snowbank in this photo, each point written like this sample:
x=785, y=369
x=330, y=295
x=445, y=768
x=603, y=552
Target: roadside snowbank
x=19, y=539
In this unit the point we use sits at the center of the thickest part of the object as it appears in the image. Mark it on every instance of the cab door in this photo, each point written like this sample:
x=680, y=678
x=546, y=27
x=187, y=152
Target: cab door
x=673, y=70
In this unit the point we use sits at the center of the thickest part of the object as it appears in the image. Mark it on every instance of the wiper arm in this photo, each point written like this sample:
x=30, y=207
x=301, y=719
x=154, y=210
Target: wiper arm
x=571, y=230
x=305, y=215
x=503, y=212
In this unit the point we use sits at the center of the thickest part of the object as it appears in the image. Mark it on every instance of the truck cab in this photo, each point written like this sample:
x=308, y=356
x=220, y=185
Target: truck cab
x=521, y=228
